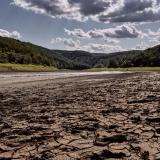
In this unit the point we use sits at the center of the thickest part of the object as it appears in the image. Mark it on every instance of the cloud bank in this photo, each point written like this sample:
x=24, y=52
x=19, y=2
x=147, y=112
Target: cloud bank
x=123, y=31
x=99, y=10
x=104, y=48
x=90, y=47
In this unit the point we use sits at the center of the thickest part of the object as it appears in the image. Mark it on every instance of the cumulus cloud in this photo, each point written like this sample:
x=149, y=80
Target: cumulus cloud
x=103, y=48
x=69, y=42
x=102, y=10
x=122, y=31
x=14, y=34
x=112, y=46
x=77, y=33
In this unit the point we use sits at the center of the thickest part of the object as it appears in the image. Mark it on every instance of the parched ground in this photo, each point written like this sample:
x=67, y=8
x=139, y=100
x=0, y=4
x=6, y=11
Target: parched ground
x=82, y=118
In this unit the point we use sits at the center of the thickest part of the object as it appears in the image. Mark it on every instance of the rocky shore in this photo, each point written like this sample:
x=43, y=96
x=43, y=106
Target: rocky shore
x=82, y=118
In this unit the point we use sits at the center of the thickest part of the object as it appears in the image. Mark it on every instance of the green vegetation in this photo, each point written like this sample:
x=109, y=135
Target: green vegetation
x=17, y=52
x=24, y=67
x=94, y=60
x=147, y=58
x=14, y=51
x=127, y=69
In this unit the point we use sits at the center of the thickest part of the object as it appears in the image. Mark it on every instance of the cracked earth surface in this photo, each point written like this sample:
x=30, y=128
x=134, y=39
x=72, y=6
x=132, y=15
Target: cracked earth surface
x=112, y=117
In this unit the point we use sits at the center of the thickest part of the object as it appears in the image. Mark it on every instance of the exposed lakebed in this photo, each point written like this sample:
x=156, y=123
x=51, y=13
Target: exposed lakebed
x=89, y=117
x=18, y=77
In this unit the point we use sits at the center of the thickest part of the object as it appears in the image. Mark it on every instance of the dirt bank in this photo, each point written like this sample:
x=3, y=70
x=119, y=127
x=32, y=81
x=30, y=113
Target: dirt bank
x=89, y=117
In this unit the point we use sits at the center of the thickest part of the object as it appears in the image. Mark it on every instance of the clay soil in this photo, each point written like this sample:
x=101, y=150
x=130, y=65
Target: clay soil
x=82, y=118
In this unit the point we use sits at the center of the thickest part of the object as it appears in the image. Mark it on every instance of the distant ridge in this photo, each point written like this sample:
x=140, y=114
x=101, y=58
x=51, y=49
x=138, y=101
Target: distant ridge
x=15, y=51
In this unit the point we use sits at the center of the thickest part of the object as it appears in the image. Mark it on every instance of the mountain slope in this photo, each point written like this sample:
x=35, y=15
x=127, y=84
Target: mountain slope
x=94, y=59
x=15, y=51
x=147, y=58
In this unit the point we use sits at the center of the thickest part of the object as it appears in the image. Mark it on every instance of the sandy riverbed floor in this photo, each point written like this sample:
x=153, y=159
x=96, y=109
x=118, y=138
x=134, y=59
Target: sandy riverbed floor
x=92, y=117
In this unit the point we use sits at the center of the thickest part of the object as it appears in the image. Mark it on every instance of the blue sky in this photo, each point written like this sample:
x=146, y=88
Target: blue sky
x=91, y=25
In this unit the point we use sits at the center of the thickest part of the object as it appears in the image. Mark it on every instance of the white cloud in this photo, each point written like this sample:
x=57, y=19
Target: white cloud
x=122, y=31
x=77, y=33
x=90, y=47
x=14, y=34
x=69, y=42
x=102, y=48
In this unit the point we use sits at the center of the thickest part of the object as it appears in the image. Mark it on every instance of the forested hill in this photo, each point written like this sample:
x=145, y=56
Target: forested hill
x=136, y=58
x=15, y=51
x=95, y=60
x=147, y=58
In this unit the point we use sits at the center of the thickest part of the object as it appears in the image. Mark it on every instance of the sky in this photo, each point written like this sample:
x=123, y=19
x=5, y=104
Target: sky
x=101, y=26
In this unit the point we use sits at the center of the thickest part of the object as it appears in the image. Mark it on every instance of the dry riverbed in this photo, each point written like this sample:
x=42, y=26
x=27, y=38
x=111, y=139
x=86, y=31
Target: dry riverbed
x=86, y=117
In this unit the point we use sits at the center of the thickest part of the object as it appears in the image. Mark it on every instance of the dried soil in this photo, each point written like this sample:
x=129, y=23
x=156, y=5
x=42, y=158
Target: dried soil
x=82, y=118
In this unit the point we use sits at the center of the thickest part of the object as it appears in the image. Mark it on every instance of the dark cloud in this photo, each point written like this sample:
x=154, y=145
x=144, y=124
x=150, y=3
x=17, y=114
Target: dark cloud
x=71, y=9
x=102, y=10
x=50, y=6
x=134, y=11
x=132, y=6
x=146, y=16
x=90, y=7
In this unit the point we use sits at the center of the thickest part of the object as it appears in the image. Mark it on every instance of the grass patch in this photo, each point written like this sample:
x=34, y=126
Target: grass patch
x=127, y=69
x=24, y=67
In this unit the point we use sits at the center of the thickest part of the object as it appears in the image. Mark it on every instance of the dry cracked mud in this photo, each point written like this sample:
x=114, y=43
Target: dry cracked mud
x=82, y=118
